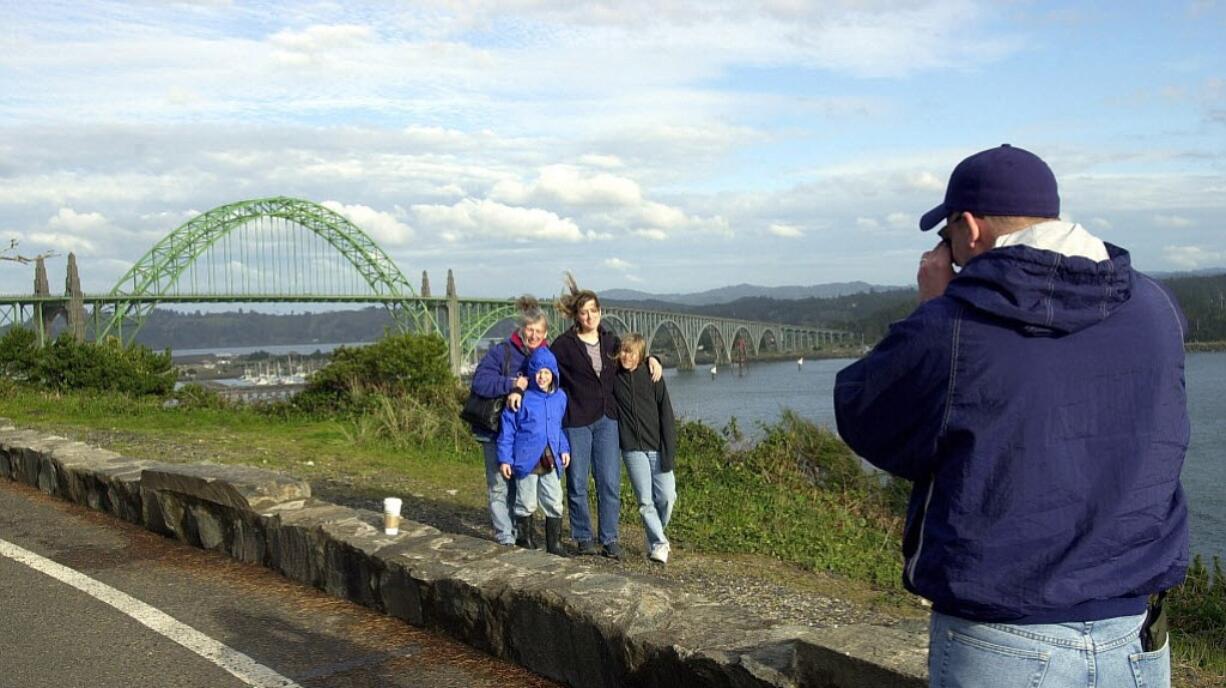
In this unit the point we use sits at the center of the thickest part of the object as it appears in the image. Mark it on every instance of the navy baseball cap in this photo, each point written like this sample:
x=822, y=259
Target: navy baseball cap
x=998, y=181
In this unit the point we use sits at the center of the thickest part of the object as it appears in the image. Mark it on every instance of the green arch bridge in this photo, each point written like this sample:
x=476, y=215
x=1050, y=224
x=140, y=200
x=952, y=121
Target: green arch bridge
x=287, y=250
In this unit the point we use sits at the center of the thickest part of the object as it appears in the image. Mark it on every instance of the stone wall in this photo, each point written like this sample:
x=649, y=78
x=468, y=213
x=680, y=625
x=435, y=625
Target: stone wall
x=552, y=615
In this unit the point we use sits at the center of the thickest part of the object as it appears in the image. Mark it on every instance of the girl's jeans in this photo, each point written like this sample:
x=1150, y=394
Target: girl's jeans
x=594, y=450
x=1095, y=654
x=656, y=493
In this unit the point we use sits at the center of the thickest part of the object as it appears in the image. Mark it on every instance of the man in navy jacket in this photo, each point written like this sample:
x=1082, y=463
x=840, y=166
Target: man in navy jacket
x=1036, y=400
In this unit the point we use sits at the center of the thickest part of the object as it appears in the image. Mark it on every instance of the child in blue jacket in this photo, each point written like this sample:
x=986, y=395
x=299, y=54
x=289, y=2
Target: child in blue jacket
x=533, y=449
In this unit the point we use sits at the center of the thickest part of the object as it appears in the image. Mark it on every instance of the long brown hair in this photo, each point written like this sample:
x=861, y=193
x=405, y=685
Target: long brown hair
x=573, y=298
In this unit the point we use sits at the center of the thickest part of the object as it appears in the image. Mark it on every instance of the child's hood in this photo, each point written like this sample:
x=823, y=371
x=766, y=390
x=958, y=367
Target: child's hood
x=543, y=358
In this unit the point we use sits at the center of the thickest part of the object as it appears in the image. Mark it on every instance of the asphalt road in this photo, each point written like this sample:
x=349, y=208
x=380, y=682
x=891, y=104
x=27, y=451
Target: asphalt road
x=57, y=635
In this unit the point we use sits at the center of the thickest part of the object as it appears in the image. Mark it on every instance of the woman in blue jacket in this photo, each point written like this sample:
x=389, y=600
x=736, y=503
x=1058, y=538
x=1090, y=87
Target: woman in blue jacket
x=533, y=450
x=500, y=373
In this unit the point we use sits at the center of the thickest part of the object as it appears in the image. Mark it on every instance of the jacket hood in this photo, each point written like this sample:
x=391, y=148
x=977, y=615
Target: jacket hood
x=543, y=358
x=1044, y=292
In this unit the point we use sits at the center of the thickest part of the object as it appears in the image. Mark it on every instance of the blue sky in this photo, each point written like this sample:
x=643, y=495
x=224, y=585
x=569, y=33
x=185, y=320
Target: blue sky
x=669, y=147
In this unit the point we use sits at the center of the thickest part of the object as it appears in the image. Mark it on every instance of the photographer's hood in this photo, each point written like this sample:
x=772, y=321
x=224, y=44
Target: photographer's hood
x=1046, y=293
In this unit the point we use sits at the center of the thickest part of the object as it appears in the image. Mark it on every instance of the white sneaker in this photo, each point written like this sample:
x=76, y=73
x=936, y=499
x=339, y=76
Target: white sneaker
x=659, y=553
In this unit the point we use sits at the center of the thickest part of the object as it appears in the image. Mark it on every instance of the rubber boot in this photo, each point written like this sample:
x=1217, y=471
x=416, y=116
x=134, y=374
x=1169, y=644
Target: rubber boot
x=553, y=536
x=524, y=537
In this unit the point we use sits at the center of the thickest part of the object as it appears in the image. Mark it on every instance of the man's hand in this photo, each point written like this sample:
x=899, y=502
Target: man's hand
x=565, y=459
x=654, y=367
x=514, y=399
x=936, y=271
x=506, y=471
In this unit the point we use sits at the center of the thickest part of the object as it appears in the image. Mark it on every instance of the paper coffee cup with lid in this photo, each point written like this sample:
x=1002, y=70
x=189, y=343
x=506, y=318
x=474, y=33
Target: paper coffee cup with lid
x=391, y=515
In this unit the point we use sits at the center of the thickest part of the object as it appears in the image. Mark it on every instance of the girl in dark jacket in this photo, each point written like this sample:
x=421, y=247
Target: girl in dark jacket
x=648, y=435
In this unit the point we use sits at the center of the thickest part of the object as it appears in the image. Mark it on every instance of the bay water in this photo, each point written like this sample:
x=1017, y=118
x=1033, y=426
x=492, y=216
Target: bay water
x=769, y=387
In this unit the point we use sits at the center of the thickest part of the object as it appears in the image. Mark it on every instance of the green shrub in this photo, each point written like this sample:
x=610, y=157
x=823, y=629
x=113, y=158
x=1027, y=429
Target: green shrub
x=397, y=366
x=67, y=364
x=195, y=396
x=18, y=353
x=1197, y=611
x=798, y=495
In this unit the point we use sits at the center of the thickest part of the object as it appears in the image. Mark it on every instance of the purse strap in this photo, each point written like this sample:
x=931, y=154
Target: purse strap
x=506, y=359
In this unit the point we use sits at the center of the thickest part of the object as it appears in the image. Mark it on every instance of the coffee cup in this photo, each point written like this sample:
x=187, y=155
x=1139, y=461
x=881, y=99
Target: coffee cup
x=391, y=515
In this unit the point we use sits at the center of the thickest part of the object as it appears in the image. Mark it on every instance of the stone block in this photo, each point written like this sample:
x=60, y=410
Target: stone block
x=238, y=487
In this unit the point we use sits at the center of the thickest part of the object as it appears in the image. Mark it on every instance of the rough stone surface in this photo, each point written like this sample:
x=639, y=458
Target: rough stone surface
x=239, y=487
x=558, y=617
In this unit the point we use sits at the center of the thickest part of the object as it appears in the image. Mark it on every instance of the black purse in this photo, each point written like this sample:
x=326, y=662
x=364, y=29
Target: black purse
x=485, y=413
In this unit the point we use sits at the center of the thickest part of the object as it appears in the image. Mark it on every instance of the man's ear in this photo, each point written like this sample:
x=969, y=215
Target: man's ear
x=974, y=232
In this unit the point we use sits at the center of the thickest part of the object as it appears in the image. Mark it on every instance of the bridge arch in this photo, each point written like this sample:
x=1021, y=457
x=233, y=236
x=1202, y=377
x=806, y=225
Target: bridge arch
x=615, y=323
x=748, y=337
x=684, y=349
x=723, y=353
x=769, y=334
x=158, y=271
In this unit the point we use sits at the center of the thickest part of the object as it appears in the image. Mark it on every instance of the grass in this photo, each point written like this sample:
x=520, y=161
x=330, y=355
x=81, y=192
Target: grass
x=798, y=496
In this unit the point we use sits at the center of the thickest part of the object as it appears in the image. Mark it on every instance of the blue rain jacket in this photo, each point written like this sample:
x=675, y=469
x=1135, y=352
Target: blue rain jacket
x=1039, y=408
x=538, y=422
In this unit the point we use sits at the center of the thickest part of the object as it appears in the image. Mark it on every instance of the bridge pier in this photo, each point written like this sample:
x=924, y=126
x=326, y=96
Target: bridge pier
x=453, y=326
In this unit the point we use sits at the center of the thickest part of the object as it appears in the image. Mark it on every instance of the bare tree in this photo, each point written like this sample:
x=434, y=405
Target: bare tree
x=11, y=254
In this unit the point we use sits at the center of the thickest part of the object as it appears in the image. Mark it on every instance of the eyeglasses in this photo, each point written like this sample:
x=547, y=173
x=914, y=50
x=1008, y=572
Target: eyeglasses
x=943, y=232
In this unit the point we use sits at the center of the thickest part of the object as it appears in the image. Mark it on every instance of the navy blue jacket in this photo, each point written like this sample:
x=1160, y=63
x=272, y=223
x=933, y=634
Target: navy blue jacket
x=538, y=422
x=1039, y=408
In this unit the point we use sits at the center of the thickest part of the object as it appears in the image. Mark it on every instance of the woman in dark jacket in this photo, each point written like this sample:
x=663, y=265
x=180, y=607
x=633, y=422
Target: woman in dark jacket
x=586, y=355
x=489, y=380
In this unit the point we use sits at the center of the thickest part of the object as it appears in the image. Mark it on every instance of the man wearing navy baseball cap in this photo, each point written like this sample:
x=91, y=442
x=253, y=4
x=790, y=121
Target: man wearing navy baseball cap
x=1036, y=400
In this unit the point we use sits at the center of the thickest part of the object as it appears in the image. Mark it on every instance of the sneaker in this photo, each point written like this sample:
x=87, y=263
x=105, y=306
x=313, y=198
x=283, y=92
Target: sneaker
x=659, y=553
x=586, y=548
x=612, y=550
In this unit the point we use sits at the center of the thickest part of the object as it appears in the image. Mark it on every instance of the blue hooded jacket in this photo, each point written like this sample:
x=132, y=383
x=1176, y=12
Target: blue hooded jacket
x=538, y=422
x=1039, y=408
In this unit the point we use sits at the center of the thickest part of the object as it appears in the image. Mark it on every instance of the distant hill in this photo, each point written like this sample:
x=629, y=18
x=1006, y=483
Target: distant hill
x=744, y=291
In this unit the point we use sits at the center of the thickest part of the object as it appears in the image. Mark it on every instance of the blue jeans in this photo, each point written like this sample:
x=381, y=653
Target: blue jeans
x=594, y=450
x=656, y=493
x=1104, y=654
x=501, y=494
x=548, y=486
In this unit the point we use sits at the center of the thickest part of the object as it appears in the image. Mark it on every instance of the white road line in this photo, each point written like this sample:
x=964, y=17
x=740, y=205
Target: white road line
x=240, y=665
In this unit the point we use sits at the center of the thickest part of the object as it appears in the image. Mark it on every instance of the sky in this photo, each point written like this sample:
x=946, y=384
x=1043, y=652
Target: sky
x=660, y=145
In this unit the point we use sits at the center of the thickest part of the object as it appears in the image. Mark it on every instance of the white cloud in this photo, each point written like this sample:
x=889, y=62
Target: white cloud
x=571, y=186
x=64, y=242
x=867, y=223
x=1173, y=221
x=1193, y=257
x=490, y=219
x=900, y=220
x=653, y=234
x=70, y=220
x=617, y=264
x=1100, y=223
x=315, y=42
x=785, y=230
x=384, y=228
x=604, y=161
